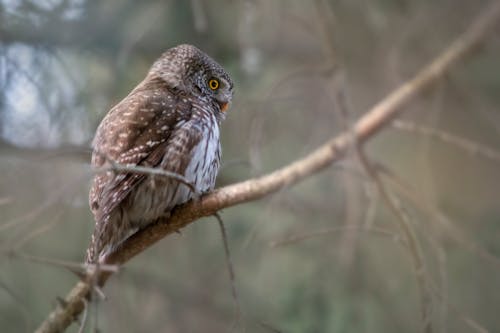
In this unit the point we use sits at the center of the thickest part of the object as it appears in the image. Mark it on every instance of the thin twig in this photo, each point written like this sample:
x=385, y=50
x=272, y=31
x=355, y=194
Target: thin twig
x=64, y=263
x=461, y=315
x=146, y=171
x=327, y=231
x=37, y=231
x=84, y=316
x=29, y=218
x=20, y=304
x=451, y=231
x=270, y=328
x=229, y=264
x=470, y=146
x=371, y=211
x=413, y=244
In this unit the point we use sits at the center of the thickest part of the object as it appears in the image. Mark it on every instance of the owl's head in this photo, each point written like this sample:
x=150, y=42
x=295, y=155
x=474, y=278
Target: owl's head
x=189, y=69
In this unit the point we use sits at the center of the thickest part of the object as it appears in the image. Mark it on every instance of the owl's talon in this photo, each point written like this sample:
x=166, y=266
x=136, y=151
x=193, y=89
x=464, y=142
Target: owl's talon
x=197, y=196
x=164, y=218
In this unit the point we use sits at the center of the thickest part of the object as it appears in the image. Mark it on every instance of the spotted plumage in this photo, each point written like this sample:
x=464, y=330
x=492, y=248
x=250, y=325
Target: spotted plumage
x=169, y=121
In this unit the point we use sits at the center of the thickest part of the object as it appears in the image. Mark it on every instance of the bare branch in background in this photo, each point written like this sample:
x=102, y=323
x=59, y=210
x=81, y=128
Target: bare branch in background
x=18, y=303
x=368, y=125
x=229, y=264
x=419, y=266
x=471, y=147
x=146, y=171
x=300, y=237
x=84, y=316
x=452, y=231
x=74, y=266
x=470, y=322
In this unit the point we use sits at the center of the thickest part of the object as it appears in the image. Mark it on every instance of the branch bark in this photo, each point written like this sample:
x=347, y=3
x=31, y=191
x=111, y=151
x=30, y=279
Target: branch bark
x=333, y=150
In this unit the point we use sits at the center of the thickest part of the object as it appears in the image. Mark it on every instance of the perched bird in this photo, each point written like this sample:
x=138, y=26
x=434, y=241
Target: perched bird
x=170, y=121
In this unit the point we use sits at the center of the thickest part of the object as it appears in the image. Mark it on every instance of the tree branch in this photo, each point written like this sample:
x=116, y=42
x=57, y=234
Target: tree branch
x=333, y=150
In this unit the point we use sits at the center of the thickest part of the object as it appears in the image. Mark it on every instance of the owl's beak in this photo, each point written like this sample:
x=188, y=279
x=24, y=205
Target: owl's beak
x=224, y=98
x=224, y=106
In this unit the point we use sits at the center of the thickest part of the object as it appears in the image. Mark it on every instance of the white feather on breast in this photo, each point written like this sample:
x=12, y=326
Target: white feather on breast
x=203, y=167
x=156, y=197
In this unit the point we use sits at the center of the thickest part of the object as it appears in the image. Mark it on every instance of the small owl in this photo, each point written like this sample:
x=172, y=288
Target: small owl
x=169, y=121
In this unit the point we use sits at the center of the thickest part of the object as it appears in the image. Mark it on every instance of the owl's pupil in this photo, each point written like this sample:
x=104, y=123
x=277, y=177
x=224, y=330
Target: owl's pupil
x=214, y=84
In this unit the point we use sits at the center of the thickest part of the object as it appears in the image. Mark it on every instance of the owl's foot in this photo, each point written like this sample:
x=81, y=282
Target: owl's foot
x=196, y=196
x=164, y=217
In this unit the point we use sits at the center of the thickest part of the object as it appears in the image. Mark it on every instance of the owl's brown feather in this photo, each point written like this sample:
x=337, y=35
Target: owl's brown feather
x=168, y=121
x=131, y=141
x=142, y=143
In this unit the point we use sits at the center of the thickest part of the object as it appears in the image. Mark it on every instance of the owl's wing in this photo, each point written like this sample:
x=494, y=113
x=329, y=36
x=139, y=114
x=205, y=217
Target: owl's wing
x=135, y=132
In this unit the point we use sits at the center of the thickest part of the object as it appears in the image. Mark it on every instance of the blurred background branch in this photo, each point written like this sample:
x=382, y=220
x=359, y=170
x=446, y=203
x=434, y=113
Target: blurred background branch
x=372, y=122
x=304, y=72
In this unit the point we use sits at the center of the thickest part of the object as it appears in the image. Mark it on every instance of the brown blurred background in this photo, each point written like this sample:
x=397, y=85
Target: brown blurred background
x=304, y=71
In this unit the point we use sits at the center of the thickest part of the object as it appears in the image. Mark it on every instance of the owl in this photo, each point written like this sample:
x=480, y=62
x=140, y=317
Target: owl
x=170, y=121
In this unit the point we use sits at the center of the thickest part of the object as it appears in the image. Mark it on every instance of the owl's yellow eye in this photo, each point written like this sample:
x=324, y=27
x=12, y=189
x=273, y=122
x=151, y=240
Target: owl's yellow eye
x=213, y=84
